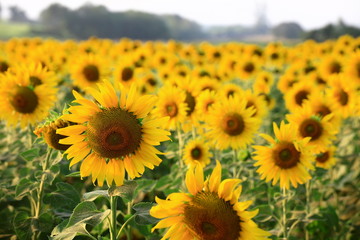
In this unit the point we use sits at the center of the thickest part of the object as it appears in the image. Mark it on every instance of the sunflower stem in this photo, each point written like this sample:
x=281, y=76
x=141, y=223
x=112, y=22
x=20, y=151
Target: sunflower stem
x=41, y=190
x=113, y=206
x=128, y=233
x=179, y=135
x=284, y=220
x=308, y=199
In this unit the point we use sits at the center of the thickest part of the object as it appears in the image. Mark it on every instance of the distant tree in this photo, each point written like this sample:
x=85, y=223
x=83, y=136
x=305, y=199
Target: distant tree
x=17, y=15
x=55, y=20
x=183, y=29
x=331, y=31
x=290, y=30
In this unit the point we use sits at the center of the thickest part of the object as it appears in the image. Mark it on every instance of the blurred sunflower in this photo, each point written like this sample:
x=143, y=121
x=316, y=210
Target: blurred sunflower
x=231, y=123
x=258, y=103
x=326, y=159
x=247, y=67
x=210, y=210
x=345, y=94
x=22, y=102
x=124, y=72
x=171, y=103
x=115, y=136
x=320, y=129
x=228, y=90
x=330, y=65
x=205, y=100
x=36, y=72
x=88, y=69
x=197, y=150
x=352, y=67
x=294, y=97
x=287, y=158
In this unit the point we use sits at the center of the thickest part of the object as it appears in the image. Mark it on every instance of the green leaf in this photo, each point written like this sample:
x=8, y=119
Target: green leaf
x=86, y=212
x=126, y=191
x=142, y=212
x=64, y=199
x=45, y=222
x=91, y=196
x=30, y=154
x=73, y=174
x=22, y=225
x=24, y=187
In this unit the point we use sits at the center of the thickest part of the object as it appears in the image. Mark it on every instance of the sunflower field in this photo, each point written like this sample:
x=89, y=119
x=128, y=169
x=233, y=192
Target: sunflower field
x=105, y=139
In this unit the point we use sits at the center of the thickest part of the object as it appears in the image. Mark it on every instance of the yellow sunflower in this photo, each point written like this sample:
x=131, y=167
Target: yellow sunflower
x=197, y=150
x=114, y=136
x=36, y=72
x=294, y=97
x=231, y=123
x=23, y=103
x=352, y=67
x=247, y=67
x=124, y=72
x=88, y=69
x=258, y=103
x=330, y=65
x=205, y=100
x=171, y=103
x=287, y=158
x=210, y=210
x=326, y=159
x=345, y=94
x=320, y=129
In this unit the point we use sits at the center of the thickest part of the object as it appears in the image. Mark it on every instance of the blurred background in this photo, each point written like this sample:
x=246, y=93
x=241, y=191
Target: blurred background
x=186, y=20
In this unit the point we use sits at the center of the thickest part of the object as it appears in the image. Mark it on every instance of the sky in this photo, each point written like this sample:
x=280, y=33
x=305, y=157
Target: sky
x=309, y=14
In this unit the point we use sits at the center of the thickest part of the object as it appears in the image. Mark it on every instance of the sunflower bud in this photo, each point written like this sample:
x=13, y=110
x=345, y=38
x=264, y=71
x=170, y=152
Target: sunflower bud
x=48, y=132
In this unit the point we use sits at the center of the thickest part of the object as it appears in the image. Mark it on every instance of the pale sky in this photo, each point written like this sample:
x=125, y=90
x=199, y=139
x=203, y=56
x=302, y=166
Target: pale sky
x=308, y=13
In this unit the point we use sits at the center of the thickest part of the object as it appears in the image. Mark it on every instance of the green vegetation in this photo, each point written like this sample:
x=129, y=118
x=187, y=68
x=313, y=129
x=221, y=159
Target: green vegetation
x=9, y=30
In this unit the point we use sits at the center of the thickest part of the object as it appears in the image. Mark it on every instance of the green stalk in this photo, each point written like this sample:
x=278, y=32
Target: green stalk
x=308, y=199
x=284, y=220
x=113, y=205
x=179, y=134
x=41, y=190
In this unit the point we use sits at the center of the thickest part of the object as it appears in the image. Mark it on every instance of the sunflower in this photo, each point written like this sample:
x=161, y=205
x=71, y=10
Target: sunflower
x=171, y=103
x=322, y=105
x=124, y=72
x=287, y=158
x=229, y=90
x=22, y=102
x=205, y=100
x=326, y=159
x=247, y=68
x=352, y=68
x=330, y=65
x=320, y=129
x=345, y=94
x=114, y=136
x=88, y=69
x=36, y=72
x=197, y=150
x=210, y=210
x=231, y=123
x=258, y=103
x=294, y=97
x=48, y=132
x=286, y=82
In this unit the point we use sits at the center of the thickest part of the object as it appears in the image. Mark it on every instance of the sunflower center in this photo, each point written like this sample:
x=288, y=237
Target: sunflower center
x=322, y=157
x=301, y=96
x=190, y=101
x=211, y=218
x=311, y=128
x=35, y=81
x=274, y=56
x=249, y=67
x=114, y=133
x=233, y=124
x=3, y=66
x=126, y=74
x=320, y=80
x=24, y=100
x=286, y=155
x=208, y=104
x=323, y=111
x=230, y=93
x=196, y=153
x=335, y=67
x=343, y=97
x=152, y=82
x=357, y=69
x=91, y=73
x=171, y=109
